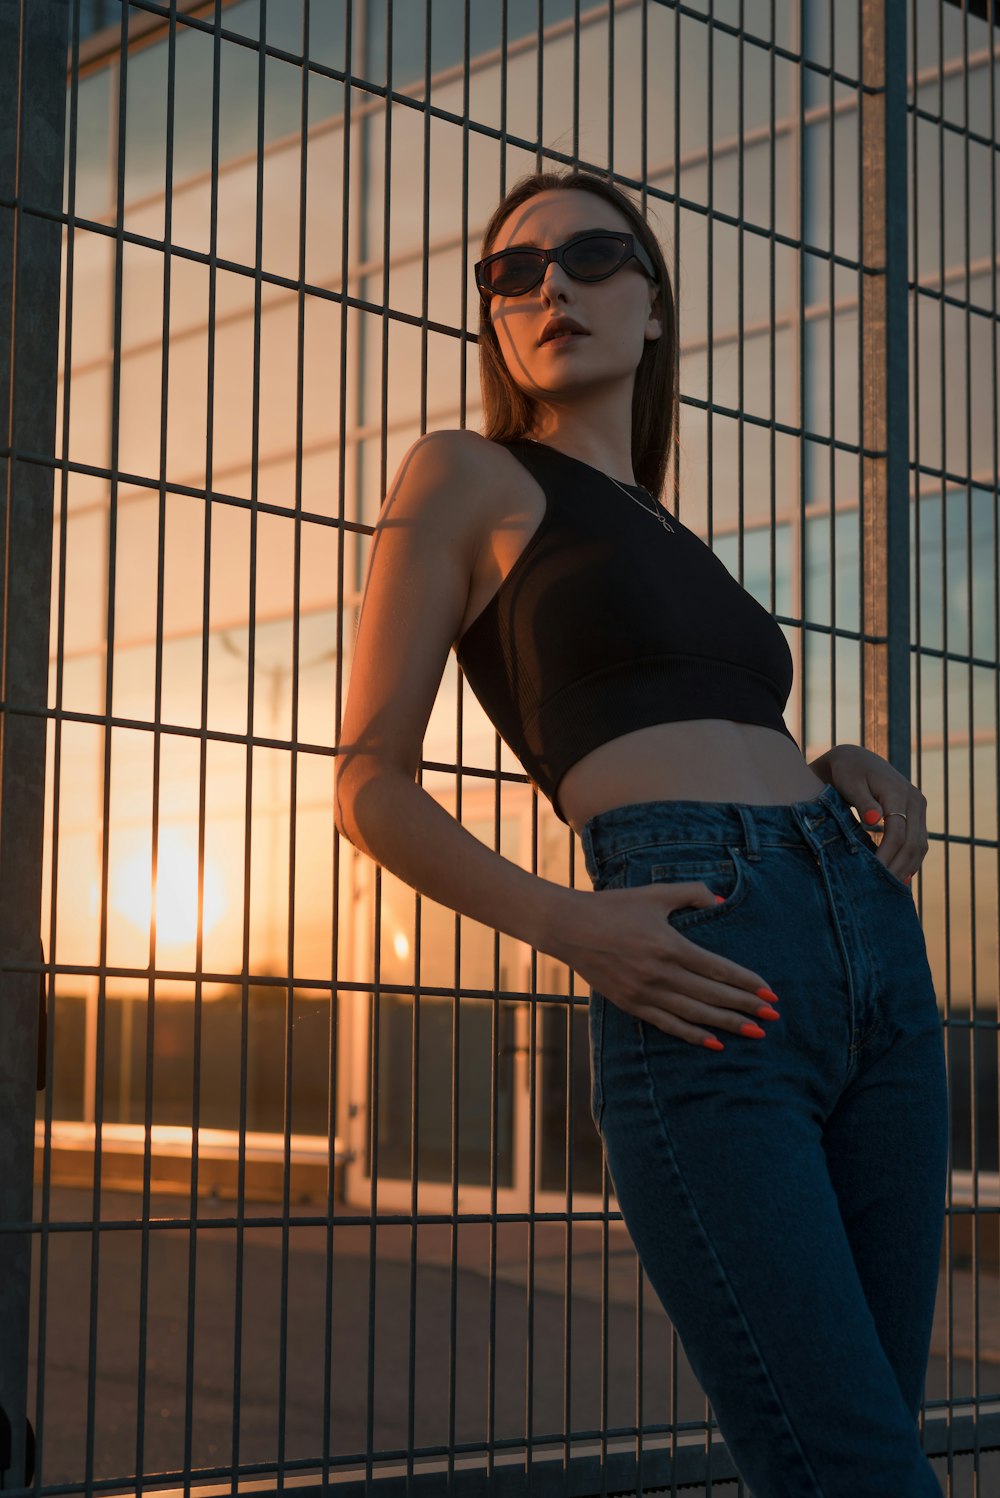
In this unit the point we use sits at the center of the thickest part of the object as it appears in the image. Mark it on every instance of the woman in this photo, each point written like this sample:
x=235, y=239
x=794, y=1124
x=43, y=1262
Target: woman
x=784, y=1187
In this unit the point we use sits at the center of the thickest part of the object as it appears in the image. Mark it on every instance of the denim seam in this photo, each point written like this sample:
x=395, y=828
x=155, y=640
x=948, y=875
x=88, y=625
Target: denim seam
x=842, y=944
x=601, y=862
x=893, y=881
x=875, y=1027
x=862, y=1040
x=695, y=1216
x=597, y=1020
x=876, y=969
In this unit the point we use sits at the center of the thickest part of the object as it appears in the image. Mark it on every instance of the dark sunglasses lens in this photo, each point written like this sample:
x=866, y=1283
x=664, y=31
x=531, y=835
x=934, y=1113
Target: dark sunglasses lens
x=588, y=259
x=591, y=259
x=512, y=272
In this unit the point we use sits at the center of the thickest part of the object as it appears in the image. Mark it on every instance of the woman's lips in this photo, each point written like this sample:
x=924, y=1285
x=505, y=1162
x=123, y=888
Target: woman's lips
x=562, y=339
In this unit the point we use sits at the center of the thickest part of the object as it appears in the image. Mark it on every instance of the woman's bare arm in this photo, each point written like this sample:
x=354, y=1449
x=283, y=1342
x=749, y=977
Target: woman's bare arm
x=401, y=826
x=415, y=597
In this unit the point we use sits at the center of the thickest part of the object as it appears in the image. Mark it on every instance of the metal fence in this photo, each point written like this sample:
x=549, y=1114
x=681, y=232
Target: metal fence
x=299, y=1183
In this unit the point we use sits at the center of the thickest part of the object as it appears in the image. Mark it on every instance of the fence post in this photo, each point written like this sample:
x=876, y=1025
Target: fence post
x=885, y=603
x=33, y=48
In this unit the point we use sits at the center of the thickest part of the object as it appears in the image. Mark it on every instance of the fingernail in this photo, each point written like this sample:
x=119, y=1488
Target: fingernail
x=908, y=878
x=752, y=1030
x=713, y=1044
x=765, y=993
x=720, y=900
x=871, y=817
x=766, y=1012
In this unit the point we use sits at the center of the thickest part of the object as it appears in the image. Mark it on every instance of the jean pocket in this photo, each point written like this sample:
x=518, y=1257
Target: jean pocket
x=725, y=874
x=612, y=872
x=869, y=846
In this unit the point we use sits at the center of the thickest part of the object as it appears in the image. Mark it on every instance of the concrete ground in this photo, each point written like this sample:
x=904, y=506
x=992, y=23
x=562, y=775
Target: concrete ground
x=418, y=1328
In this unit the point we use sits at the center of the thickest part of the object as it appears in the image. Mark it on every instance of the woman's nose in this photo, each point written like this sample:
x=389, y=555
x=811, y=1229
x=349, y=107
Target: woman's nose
x=554, y=279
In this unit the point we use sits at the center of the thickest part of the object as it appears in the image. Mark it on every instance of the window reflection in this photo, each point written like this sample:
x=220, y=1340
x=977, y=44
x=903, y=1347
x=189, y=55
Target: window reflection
x=228, y=606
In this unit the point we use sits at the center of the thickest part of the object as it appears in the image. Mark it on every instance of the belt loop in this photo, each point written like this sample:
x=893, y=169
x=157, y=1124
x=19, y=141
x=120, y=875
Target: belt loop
x=751, y=841
x=843, y=816
x=807, y=826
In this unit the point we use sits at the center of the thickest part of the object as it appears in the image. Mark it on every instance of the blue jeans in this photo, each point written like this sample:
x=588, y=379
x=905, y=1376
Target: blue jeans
x=786, y=1196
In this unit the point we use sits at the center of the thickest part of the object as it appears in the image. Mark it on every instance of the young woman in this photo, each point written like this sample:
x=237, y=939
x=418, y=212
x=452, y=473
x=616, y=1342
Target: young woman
x=784, y=1186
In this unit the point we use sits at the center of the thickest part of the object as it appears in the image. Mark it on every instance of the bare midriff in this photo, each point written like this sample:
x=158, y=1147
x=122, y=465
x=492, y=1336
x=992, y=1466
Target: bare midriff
x=701, y=759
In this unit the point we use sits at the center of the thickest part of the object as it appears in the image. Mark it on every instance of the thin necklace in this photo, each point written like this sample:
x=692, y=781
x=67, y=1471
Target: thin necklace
x=656, y=514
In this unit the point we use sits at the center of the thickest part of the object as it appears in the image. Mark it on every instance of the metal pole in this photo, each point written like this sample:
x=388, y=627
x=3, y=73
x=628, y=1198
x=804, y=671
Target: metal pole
x=885, y=376
x=33, y=46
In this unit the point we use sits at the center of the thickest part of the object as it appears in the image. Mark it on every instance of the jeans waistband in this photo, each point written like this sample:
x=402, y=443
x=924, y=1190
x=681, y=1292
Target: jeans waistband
x=731, y=823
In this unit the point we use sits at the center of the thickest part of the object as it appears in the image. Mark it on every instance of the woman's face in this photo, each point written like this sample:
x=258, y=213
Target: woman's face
x=615, y=313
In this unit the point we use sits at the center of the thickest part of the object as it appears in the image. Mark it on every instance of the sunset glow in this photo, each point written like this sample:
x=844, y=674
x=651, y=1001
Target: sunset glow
x=176, y=890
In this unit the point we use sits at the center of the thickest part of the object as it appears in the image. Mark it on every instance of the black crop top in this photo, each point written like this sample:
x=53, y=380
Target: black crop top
x=608, y=623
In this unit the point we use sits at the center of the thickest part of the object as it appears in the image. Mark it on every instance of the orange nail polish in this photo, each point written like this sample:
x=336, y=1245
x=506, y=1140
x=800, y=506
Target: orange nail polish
x=752, y=1030
x=766, y=1012
x=765, y=993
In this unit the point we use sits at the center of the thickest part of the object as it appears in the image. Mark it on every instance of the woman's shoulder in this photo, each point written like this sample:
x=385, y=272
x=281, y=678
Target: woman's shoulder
x=481, y=474
x=466, y=452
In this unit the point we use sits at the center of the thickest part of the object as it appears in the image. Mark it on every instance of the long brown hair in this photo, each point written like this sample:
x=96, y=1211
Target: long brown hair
x=509, y=412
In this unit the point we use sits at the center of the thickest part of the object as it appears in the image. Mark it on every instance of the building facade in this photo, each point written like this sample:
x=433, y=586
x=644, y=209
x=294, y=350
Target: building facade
x=270, y=213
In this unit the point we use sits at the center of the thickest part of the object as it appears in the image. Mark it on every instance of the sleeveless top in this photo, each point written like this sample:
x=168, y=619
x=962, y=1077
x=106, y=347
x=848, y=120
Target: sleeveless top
x=608, y=623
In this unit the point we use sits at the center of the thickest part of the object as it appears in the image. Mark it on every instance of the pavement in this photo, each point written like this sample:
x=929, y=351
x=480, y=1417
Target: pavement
x=390, y=1372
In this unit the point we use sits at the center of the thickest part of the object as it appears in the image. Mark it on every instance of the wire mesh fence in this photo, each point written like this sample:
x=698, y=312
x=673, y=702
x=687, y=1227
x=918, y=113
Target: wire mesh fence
x=299, y=1181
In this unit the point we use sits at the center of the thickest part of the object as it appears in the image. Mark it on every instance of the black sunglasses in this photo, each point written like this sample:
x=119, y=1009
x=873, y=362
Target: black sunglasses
x=593, y=256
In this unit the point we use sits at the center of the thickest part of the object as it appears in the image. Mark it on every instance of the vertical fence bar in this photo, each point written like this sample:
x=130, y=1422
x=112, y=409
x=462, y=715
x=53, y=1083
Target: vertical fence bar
x=349, y=226
x=57, y=637
x=885, y=603
x=33, y=40
x=968, y=469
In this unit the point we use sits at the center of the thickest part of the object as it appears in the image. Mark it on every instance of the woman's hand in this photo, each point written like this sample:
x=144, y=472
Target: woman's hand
x=871, y=785
x=623, y=945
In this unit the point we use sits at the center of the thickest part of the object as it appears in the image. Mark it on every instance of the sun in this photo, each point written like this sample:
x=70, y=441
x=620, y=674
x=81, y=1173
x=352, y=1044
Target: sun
x=176, y=890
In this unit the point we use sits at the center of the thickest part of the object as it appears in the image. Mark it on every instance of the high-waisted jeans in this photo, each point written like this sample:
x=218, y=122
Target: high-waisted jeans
x=786, y=1195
